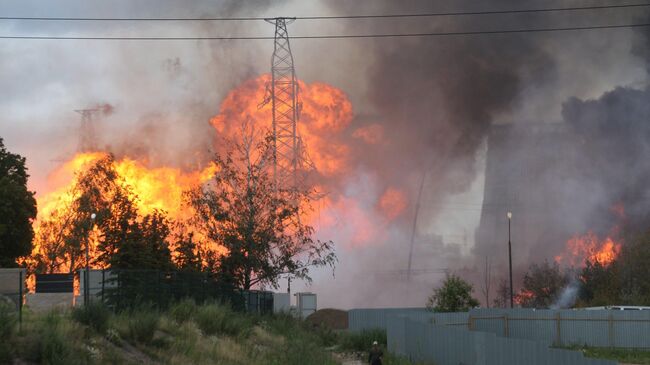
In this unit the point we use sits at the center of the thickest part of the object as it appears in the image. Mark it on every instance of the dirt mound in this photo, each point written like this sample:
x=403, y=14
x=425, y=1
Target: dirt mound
x=335, y=319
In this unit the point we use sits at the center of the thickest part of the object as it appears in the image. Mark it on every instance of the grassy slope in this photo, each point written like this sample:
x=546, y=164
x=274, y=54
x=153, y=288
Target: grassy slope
x=186, y=334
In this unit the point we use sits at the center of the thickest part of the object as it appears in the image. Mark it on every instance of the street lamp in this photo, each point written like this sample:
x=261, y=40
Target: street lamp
x=87, y=278
x=509, y=215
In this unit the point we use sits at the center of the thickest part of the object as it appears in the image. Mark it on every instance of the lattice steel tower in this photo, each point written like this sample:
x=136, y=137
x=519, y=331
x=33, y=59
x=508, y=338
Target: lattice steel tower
x=87, y=139
x=286, y=109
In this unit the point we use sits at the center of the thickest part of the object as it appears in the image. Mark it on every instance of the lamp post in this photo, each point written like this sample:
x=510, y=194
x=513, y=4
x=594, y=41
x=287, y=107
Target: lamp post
x=87, y=276
x=509, y=215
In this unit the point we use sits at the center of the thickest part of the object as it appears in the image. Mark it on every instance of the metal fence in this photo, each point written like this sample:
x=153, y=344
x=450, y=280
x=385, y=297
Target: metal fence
x=365, y=319
x=13, y=288
x=128, y=288
x=596, y=328
x=446, y=345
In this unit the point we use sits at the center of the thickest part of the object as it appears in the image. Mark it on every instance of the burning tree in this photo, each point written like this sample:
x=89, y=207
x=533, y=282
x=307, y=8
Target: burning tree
x=258, y=223
x=119, y=237
x=543, y=285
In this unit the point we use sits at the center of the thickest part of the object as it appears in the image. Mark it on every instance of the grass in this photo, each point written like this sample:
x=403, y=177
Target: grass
x=621, y=355
x=186, y=333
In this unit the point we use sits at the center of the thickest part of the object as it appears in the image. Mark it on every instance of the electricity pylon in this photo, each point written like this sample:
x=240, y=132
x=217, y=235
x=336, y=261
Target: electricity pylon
x=291, y=162
x=87, y=136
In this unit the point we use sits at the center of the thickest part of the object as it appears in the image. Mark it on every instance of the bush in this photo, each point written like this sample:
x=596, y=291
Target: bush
x=213, y=319
x=142, y=325
x=362, y=341
x=58, y=340
x=7, y=321
x=183, y=311
x=94, y=315
x=7, y=326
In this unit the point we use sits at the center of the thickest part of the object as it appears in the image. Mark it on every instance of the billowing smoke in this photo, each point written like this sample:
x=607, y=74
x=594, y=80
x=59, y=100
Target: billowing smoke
x=422, y=107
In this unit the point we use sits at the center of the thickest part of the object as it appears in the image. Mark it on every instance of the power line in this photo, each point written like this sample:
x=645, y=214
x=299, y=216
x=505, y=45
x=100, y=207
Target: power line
x=339, y=36
x=327, y=17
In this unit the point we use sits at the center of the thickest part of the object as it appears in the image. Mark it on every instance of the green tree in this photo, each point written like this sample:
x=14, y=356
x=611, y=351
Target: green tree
x=543, y=285
x=455, y=295
x=259, y=226
x=631, y=271
x=17, y=208
x=599, y=285
x=188, y=253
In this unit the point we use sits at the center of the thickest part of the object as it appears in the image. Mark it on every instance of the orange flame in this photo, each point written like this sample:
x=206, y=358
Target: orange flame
x=325, y=112
x=589, y=247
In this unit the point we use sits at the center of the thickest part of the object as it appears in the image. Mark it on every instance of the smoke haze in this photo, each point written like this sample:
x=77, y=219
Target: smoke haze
x=422, y=107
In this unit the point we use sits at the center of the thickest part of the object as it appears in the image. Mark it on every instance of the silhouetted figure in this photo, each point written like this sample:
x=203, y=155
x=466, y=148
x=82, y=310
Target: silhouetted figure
x=374, y=358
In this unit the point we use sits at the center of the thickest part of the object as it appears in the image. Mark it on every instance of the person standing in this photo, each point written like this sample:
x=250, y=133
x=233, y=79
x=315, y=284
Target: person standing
x=375, y=355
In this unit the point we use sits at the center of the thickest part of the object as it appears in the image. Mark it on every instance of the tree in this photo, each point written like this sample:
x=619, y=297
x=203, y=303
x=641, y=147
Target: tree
x=631, y=272
x=502, y=299
x=258, y=224
x=17, y=208
x=598, y=285
x=455, y=295
x=119, y=237
x=543, y=285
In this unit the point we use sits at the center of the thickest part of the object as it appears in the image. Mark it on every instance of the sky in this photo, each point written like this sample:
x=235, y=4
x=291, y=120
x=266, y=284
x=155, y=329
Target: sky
x=435, y=98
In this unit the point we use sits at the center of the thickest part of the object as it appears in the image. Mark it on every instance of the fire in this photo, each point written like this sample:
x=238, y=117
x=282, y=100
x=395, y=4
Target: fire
x=325, y=130
x=589, y=247
x=158, y=188
x=523, y=297
x=392, y=203
x=325, y=113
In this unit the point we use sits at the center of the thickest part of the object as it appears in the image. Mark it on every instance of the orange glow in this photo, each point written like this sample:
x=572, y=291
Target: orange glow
x=371, y=134
x=155, y=188
x=392, y=203
x=589, y=247
x=522, y=297
x=325, y=112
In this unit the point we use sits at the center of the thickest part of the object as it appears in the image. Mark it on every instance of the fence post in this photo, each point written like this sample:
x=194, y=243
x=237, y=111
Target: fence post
x=20, y=300
x=611, y=329
x=558, y=325
x=470, y=323
x=506, y=330
x=103, y=287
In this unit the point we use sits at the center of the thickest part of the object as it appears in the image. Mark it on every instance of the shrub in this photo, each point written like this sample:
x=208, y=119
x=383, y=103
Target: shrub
x=58, y=341
x=362, y=341
x=142, y=325
x=7, y=321
x=183, y=311
x=213, y=319
x=94, y=315
x=7, y=326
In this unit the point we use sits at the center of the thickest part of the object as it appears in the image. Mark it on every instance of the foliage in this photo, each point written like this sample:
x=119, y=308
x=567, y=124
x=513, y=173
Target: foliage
x=7, y=328
x=125, y=238
x=502, y=298
x=259, y=225
x=95, y=315
x=18, y=208
x=598, y=285
x=142, y=325
x=183, y=311
x=217, y=319
x=543, y=285
x=455, y=295
x=626, y=356
x=362, y=340
x=632, y=272
x=188, y=252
